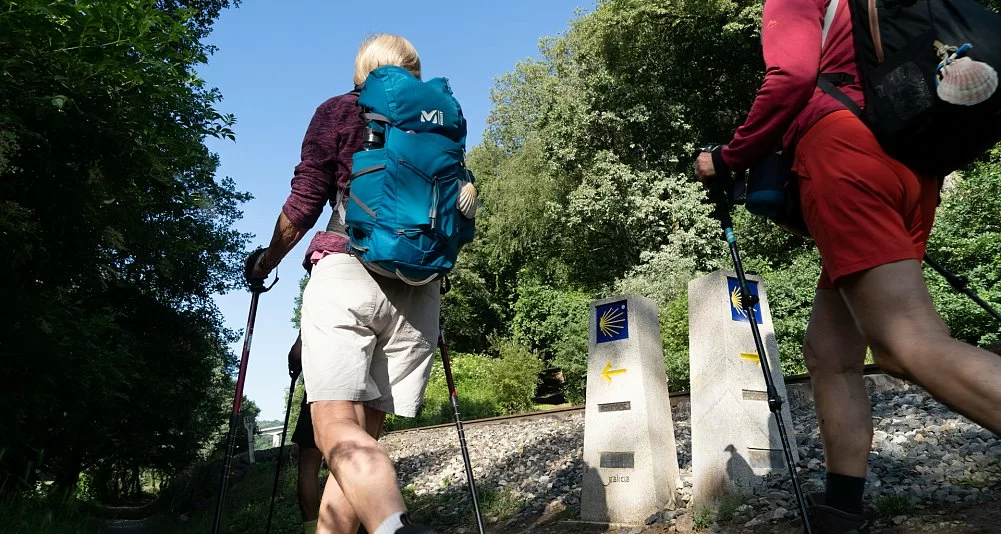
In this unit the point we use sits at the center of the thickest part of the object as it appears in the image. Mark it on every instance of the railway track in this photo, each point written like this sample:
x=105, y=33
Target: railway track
x=565, y=412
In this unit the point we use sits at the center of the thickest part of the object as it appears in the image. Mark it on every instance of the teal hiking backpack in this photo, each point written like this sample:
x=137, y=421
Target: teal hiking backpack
x=402, y=217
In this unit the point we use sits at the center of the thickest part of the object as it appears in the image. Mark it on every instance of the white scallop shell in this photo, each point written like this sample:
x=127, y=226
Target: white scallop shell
x=467, y=199
x=967, y=83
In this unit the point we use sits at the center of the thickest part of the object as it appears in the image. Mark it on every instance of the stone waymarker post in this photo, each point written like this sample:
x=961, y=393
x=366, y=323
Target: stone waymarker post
x=249, y=423
x=629, y=449
x=734, y=435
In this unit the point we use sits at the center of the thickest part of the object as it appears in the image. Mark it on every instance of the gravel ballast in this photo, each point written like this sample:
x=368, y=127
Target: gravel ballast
x=923, y=456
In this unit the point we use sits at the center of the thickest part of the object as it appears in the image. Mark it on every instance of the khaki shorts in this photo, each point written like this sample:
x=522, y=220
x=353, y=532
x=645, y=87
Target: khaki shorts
x=367, y=337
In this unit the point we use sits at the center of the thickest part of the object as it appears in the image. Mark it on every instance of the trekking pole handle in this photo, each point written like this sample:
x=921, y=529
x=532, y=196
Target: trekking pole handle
x=716, y=190
x=257, y=285
x=707, y=148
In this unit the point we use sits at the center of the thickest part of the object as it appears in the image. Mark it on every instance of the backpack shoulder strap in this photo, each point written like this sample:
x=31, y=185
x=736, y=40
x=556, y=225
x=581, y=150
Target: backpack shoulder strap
x=826, y=81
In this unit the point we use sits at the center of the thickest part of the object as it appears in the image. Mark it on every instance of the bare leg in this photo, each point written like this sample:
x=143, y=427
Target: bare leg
x=894, y=312
x=362, y=484
x=308, y=487
x=336, y=514
x=835, y=352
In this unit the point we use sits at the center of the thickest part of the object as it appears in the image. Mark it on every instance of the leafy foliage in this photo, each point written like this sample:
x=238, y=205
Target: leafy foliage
x=554, y=322
x=117, y=235
x=967, y=241
x=485, y=386
x=585, y=182
x=515, y=375
x=21, y=514
x=674, y=333
x=470, y=314
x=584, y=169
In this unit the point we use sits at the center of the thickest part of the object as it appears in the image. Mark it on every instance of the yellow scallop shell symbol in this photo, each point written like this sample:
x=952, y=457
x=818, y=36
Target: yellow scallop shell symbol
x=612, y=322
x=735, y=301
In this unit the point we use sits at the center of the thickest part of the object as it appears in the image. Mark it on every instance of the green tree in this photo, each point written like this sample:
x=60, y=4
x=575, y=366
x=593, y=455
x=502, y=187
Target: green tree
x=470, y=315
x=554, y=323
x=967, y=241
x=585, y=166
x=587, y=190
x=118, y=235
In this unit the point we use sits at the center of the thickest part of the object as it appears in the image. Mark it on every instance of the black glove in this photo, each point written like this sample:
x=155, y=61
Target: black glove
x=723, y=171
x=249, y=266
x=723, y=185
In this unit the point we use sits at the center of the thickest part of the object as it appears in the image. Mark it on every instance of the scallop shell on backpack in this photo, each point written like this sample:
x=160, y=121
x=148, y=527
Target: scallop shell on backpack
x=467, y=199
x=966, y=82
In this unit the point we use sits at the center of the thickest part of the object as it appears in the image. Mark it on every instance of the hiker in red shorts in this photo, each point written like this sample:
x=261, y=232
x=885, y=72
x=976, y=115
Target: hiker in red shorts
x=870, y=217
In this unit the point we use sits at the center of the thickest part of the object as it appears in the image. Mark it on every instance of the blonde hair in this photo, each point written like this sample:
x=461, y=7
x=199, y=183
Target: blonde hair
x=385, y=49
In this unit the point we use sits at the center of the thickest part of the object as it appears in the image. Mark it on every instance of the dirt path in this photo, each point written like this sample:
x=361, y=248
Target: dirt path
x=983, y=518
x=128, y=526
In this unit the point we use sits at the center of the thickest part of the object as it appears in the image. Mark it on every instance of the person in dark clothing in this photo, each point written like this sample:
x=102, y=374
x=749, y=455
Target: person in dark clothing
x=310, y=459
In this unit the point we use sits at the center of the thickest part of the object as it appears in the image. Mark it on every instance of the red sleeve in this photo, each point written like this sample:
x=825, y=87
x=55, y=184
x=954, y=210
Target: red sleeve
x=315, y=175
x=790, y=39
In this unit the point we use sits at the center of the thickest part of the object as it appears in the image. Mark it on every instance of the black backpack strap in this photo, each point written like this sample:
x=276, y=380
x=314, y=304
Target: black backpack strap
x=826, y=82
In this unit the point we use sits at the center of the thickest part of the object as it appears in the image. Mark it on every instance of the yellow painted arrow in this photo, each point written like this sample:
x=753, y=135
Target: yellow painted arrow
x=607, y=373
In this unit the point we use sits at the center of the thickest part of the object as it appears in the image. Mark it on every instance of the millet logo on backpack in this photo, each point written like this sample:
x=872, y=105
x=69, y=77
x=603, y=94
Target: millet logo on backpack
x=435, y=116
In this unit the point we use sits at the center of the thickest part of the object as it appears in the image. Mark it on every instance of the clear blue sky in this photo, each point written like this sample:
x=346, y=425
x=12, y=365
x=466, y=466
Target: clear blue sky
x=277, y=61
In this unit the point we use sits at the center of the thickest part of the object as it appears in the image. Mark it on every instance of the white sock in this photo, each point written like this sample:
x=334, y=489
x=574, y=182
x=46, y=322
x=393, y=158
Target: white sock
x=391, y=524
x=309, y=527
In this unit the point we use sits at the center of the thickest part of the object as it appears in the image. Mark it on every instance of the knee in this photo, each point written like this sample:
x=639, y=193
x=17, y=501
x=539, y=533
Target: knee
x=824, y=356
x=889, y=363
x=360, y=455
x=899, y=356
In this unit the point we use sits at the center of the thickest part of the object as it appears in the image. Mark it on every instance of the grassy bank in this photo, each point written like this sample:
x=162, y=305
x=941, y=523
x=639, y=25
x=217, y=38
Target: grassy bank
x=36, y=515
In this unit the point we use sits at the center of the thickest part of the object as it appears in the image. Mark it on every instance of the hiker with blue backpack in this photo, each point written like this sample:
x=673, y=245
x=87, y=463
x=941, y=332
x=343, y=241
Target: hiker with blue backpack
x=872, y=104
x=389, y=159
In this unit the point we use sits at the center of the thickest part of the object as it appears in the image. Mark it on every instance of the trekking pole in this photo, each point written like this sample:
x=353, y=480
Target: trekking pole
x=256, y=288
x=281, y=452
x=959, y=283
x=458, y=425
x=719, y=196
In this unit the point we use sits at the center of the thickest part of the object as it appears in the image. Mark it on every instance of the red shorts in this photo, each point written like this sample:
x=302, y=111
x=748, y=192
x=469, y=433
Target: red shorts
x=862, y=207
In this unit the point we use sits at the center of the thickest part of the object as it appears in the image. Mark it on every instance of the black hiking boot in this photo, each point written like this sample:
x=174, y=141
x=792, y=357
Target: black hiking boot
x=829, y=520
x=409, y=527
